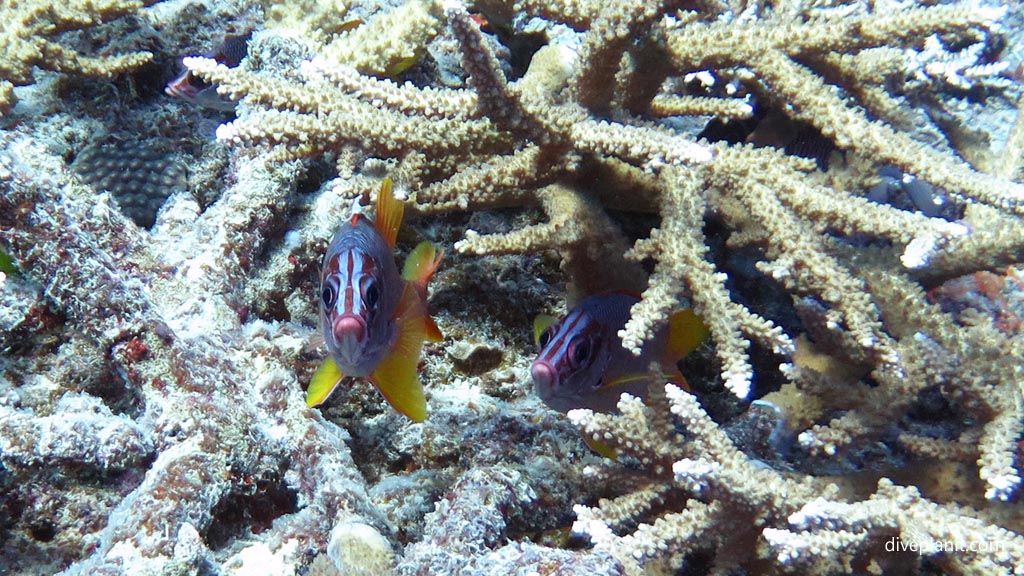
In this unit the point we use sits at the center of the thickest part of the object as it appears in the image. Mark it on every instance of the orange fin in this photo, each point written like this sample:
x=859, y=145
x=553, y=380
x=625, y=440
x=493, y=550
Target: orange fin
x=679, y=380
x=396, y=376
x=433, y=333
x=685, y=332
x=325, y=380
x=601, y=448
x=389, y=213
x=350, y=25
x=542, y=322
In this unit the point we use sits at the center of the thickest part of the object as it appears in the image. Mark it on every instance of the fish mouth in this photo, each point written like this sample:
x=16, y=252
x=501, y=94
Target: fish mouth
x=545, y=377
x=545, y=384
x=349, y=331
x=180, y=88
x=349, y=326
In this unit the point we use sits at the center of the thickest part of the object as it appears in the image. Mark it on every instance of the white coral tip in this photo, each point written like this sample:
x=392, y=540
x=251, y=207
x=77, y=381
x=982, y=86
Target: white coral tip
x=738, y=383
x=227, y=132
x=196, y=63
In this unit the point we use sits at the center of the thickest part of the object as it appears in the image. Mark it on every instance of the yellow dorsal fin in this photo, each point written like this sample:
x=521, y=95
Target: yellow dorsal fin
x=685, y=332
x=541, y=323
x=389, y=213
x=324, y=381
x=396, y=376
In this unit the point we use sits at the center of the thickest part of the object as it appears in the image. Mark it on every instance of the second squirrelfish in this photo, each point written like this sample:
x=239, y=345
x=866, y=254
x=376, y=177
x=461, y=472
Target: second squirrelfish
x=373, y=319
x=582, y=363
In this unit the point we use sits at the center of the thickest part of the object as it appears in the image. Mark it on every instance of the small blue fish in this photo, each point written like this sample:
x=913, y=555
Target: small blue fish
x=582, y=363
x=373, y=319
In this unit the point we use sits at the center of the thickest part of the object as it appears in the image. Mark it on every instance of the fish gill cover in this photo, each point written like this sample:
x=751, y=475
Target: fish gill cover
x=809, y=177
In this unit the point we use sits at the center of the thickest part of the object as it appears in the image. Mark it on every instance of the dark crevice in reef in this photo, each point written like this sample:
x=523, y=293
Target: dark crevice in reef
x=252, y=508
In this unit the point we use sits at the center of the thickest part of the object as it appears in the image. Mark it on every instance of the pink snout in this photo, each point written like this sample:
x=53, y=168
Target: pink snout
x=543, y=374
x=349, y=326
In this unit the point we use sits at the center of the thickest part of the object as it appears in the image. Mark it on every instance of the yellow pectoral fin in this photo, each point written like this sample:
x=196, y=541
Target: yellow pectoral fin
x=601, y=448
x=389, y=213
x=626, y=379
x=541, y=323
x=324, y=381
x=396, y=376
x=422, y=262
x=685, y=332
x=419, y=268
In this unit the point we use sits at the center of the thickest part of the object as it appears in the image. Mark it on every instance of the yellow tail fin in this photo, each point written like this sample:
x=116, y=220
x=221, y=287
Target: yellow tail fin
x=396, y=376
x=685, y=332
x=389, y=213
x=324, y=381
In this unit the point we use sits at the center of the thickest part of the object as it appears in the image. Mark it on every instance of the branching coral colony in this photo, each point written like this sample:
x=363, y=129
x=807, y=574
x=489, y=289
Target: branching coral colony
x=29, y=33
x=608, y=94
x=608, y=99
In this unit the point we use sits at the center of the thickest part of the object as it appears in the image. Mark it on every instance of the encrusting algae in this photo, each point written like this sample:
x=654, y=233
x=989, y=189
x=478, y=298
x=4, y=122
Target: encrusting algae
x=813, y=180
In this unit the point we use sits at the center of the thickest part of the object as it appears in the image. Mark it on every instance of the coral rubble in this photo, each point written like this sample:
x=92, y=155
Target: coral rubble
x=838, y=157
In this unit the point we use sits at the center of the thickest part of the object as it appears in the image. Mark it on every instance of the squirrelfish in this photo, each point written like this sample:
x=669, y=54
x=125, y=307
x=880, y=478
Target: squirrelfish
x=373, y=319
x=190, y=87
x=582, y=363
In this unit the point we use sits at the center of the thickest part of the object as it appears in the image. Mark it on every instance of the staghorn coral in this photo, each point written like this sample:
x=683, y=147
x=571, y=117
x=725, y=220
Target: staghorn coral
x=749, y=513
x=192, y=335
x=500, y=142
x=30, y=34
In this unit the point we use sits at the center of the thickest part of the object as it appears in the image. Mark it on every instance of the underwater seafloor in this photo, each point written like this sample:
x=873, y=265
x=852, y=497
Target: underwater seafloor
x=158, y=326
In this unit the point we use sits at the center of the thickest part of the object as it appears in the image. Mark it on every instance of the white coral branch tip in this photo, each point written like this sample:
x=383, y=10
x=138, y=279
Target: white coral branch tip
x=199, y=63
x=227, y=132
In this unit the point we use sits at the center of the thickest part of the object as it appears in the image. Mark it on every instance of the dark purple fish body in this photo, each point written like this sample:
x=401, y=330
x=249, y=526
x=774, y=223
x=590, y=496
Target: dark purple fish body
x=190, y=87
x=360, y=288
x=582, y=363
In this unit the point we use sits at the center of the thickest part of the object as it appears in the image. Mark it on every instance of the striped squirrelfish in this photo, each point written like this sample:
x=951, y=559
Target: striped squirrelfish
x=582, y=363
x=373, y=319
x=191, y=88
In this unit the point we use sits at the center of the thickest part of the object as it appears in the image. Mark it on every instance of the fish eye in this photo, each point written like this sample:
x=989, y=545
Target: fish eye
x=371, y=294
x=329, y=295
x=579, y=352
x=545, y=337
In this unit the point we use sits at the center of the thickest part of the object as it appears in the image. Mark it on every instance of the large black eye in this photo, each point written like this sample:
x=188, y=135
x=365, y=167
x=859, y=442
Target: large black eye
x=580, y=352
x=545, y=337
x=328, y=295
x=371, y=294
